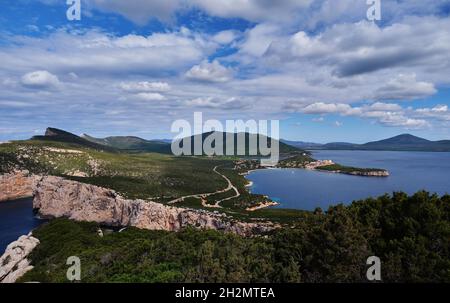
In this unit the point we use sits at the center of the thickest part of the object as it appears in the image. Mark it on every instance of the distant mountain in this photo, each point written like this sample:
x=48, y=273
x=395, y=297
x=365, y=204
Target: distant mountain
x=407, y=142
x=404, y=142
x=58, y=135
x=338, y=145
x=132, y=144
x=283, y=147
x=301, y=144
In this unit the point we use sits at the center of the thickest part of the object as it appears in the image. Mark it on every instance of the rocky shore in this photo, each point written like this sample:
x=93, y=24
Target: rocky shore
x=14, y=263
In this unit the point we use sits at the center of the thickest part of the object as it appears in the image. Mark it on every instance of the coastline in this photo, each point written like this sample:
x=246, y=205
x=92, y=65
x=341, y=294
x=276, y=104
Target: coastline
x=262, y=206
x=312, y=166
x=379, y=173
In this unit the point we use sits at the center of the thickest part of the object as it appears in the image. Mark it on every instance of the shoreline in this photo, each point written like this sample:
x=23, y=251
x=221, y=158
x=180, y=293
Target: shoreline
x=379, y=173
x=262, y=206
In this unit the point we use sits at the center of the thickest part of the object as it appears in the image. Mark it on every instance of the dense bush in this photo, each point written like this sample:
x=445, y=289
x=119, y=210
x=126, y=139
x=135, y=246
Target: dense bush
x=411, y=235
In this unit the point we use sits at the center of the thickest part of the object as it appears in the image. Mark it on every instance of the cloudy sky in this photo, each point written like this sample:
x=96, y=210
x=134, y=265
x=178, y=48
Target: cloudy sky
x=135, y=66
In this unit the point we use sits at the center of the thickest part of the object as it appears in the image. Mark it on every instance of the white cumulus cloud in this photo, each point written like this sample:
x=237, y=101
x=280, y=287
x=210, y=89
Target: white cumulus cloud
x=41, y=79
x=210, y=72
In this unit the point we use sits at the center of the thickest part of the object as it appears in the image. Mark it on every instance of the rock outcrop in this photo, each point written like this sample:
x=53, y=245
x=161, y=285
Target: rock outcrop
x=58, y=197
x=14, y=262
x=16, y=185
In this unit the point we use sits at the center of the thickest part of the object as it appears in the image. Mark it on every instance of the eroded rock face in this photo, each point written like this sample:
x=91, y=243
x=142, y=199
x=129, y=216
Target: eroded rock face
x=16, y=185
x=14, y=263
x=57, y=197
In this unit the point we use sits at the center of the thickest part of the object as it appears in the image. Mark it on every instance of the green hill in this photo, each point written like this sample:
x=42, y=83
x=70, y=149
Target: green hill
x=132, y=144
x=248, y=150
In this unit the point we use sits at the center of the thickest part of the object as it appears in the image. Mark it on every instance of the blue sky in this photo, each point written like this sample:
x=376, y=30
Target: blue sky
x=135, y=66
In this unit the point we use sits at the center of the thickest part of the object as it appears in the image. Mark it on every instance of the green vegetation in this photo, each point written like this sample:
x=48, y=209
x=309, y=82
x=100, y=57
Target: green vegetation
x=143, y=175
x=121, y=164
x=153, y=176
x=411, y=235
x=248, y=137
x=136, y=175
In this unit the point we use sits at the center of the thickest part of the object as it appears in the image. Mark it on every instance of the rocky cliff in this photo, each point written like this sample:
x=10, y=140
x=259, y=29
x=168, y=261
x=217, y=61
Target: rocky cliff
x=57, y=197
x=16, y=185
x=14, y=263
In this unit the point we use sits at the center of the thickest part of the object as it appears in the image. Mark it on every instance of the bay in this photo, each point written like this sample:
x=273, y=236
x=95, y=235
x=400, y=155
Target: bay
x=16, y=219
x=303, y=189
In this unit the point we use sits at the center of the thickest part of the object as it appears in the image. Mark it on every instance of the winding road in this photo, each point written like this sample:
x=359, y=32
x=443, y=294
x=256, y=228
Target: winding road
x=230, y=186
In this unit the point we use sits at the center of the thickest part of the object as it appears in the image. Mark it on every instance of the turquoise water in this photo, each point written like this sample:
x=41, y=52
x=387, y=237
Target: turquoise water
x=16, y=219
x=302, y=189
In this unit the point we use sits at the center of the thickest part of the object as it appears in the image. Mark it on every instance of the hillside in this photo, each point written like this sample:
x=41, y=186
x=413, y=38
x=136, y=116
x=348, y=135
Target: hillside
x=189, y=181
x=58, y=135
x=249, y=151
x=134, y=175
x=131, y=144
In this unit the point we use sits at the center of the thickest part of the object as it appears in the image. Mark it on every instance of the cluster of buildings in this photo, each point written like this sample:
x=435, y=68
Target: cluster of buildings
x=318, y=163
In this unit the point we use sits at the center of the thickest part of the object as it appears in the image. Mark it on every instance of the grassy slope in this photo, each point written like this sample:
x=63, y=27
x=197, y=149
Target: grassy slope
x=133, y=175
x=249, y=150
x=132, y=144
